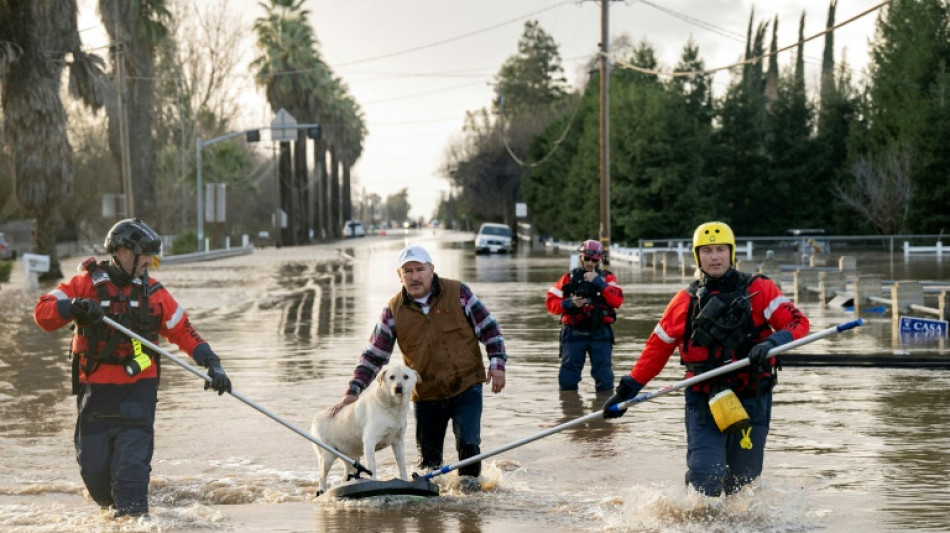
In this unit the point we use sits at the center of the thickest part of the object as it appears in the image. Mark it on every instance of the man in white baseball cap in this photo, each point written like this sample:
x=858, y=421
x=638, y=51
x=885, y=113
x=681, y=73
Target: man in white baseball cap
x=433, y=320
x=413, y=253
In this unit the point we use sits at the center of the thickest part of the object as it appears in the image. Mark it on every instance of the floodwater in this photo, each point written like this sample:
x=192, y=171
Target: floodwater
x=851, y=449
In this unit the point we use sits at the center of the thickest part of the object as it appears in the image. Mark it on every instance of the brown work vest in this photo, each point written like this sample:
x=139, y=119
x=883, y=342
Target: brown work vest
x=441, y=346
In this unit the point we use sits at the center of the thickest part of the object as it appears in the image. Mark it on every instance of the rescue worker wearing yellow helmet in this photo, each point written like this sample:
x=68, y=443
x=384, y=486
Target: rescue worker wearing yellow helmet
x=723, y=316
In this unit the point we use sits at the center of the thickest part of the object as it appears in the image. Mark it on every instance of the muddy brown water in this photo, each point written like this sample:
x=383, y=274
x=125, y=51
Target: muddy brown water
x=851, y=449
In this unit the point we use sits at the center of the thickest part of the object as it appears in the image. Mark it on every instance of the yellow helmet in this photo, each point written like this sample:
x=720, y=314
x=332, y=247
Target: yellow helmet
x=714, y=233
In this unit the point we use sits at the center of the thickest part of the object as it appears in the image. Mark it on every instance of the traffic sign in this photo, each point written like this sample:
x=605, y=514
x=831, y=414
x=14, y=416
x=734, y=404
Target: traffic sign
x=284, y=127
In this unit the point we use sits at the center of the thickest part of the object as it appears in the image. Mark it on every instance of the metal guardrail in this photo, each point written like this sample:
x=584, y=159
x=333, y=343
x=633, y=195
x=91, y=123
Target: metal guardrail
x=207, y=256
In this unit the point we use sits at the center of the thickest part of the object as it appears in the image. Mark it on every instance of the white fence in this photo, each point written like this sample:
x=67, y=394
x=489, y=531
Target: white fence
x=929, y=250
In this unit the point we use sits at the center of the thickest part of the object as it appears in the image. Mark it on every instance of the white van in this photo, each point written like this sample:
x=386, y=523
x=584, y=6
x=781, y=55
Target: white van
x=493, y=238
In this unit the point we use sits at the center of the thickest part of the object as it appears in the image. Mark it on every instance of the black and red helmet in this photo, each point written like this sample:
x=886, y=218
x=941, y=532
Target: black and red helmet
x=134, y=235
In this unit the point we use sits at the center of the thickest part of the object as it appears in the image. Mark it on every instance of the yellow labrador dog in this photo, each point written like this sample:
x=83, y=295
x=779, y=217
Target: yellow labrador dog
x=376, y=420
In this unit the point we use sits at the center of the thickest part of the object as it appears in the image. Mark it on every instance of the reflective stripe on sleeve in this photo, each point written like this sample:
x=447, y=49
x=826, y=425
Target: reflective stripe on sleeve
x=176, y=318
x=60, y=295
x=773, y=305
x=557, y=292
x=663, y=335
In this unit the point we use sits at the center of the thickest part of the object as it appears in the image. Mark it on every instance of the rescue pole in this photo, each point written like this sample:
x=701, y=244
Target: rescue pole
x=131, y=334
x=735, y=365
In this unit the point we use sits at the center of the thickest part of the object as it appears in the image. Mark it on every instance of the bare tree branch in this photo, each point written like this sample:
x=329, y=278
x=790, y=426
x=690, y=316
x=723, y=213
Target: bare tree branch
x=881, y=190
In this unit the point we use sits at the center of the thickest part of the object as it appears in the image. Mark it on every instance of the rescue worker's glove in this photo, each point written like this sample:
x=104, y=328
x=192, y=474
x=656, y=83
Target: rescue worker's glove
x=758, y=355
x=86, y=311
x=220, y=382
x=627, y=389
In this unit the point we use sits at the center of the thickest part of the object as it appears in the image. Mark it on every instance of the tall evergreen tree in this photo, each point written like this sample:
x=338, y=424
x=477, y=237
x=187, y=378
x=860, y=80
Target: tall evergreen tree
x=486, y=164
x=908, y=105
x=740, y=160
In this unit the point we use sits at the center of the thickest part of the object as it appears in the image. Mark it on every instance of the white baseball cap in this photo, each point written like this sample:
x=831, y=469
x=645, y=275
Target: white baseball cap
x=413, y=253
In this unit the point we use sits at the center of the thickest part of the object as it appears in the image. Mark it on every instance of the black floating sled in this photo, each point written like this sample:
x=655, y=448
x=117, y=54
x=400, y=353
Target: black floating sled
x=364, y=488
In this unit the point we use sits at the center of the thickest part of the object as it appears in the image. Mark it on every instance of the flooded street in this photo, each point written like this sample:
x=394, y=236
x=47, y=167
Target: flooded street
x=851, y=449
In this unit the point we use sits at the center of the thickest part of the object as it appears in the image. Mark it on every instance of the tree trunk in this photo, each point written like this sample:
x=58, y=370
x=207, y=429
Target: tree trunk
x=285, y=185
x=336, y=222
x=301, y=190
x=347, y=200
x=137, y=57
x=320, y=181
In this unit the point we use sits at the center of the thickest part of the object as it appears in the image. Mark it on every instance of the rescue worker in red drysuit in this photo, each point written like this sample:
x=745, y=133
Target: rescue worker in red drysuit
x=115, y=379
x=720, y=318
x=587, y=299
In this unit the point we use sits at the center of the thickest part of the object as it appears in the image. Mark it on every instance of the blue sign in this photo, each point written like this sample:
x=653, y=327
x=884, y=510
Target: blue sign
x=922, y=328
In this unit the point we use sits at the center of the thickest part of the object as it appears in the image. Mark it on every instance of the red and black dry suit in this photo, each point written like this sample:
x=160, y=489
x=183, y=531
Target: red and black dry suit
x=116, y=412
x=586, y=329
x=717, y=460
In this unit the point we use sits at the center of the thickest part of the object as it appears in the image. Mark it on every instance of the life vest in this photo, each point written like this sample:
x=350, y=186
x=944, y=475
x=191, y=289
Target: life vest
x=719, y=330
x=129, y=306
x=593, y=315
x=441, y=345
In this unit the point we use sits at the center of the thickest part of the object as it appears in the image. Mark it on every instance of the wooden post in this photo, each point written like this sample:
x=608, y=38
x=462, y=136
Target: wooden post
x=905, y=293
x=865, y=286
x=847, y=263
x=829, y=283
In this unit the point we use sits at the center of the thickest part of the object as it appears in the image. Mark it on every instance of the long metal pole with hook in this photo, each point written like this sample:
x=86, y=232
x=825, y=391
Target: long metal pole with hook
x=735, y=365
x=354, y=463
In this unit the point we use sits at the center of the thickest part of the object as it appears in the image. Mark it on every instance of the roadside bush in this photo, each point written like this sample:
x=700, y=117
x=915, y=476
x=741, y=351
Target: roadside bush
x=5, y=268
x=185, y=243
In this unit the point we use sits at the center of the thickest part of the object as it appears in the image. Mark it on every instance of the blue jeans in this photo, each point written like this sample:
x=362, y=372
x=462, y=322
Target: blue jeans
x=715, y=460
x=114, y=439
x=575, y=345
x=432, y=420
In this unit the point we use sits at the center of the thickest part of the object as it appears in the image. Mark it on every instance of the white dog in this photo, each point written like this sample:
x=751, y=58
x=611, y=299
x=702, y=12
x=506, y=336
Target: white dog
x=377, y=419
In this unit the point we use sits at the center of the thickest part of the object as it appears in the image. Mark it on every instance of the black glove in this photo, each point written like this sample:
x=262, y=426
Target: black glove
x=758, y=355
x=220, y=382
x=627, y=389
x=86, y=311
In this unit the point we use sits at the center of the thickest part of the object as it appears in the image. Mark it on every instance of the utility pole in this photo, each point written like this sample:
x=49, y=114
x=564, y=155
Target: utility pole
x=126, y=165
x=605, y=126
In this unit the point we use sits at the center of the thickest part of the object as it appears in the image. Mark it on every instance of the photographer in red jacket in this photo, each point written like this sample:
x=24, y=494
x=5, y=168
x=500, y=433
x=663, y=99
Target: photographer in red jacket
x=116, y=378
x=587, y=299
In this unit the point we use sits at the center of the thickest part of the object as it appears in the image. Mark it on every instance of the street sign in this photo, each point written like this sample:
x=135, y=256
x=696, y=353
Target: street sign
x=215, y=202
x=36, y=262
x=912, y=328
x=284, y=127
x=113, y=206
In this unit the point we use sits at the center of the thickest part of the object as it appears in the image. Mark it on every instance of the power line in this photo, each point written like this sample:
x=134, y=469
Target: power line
x=554, y=146
x=708, y=26
x=456, y=38
x=427, y=93
x=680, y=74
x=729, y=34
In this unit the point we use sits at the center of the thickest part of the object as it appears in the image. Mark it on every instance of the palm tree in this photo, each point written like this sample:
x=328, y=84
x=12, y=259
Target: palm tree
x=35, y=38
x=353, y=135
x=136, y=28
x=290, y=70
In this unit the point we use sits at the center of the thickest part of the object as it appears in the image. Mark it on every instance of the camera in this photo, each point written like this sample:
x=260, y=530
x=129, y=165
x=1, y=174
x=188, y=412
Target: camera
x=581, y=287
